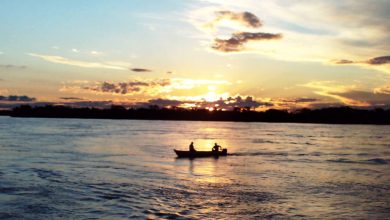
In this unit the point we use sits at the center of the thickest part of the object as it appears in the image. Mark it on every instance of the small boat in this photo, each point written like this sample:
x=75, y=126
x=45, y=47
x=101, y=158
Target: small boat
x=189, y=154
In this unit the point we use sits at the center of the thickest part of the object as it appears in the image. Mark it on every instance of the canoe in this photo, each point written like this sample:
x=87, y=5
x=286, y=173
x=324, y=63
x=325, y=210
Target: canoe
x=188, y=154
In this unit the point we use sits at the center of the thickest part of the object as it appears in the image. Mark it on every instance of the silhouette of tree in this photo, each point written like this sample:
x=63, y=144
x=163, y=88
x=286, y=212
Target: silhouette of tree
x=339, y=115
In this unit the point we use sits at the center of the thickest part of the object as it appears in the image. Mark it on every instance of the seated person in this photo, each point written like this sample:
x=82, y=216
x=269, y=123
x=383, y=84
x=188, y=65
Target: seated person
x=216, y=148
x=192, y=148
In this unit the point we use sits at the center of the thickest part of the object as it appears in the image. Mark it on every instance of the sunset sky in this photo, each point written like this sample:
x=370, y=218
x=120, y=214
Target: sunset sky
x=209, y=53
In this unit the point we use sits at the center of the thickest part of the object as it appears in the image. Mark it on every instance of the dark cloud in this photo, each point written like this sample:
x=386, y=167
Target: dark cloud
x=320, y=105
x=343, y=61
x=10, y=66
x=70, y=98
x=228, y=104
x=239, y=39
x=294, y=101
x=240, y=102
x=162, y=102
x=374, y=61
x=123, y=88
x=88, y=104
x=140, y=70
x=76, y=104
x=355, y=98
x=15, y=98
x=305, y=100
x=245, y=18
x=379, y=60
x=374, y=99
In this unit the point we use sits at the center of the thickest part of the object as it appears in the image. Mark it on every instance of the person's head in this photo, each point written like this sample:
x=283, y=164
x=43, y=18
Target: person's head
x=192, y=142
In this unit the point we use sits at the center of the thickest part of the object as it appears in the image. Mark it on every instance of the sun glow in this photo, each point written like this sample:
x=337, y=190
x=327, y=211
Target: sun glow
x=211, y=97
x=210, y=109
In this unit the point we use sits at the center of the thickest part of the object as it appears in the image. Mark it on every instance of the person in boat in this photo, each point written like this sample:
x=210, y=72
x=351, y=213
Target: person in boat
x=192, y=148
x=216, y=148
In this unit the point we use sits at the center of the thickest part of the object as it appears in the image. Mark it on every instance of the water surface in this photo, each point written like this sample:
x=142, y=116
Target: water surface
x=121, y=169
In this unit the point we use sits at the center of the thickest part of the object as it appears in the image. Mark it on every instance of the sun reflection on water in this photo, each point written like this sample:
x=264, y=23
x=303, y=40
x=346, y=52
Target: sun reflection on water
x=207, y=170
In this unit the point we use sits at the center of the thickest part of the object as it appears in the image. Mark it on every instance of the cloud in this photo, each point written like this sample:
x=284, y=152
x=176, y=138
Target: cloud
x=140, y=86
x=10, y=66
x=228, y=103
x=88, y=104
x=382, y=90
x=84, y=64
x=71, y=98
x=295, y=100
x=182, y=83
x=95, y=53
x=325, y=104
x=140, y=70
x=331, y=90
x=312, y=30
x=240, y=102
x=75, y=104
x=373, y=61
x=244, y=18
x=379, y=60
x=241, y=37
x=341, y=96
x=129, y=87
x=350, y=95
x=292, y=103
x=373, y=99
x=305, y=100
x=343, y=61
x=16, y=98
x=237, y=41
x=161, y=102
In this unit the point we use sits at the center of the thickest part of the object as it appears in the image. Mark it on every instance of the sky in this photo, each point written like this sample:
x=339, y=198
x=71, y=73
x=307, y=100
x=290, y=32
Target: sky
x=215, y=54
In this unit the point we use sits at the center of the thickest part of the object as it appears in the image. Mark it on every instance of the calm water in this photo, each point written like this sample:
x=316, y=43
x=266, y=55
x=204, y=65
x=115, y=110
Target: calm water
x=121, y=169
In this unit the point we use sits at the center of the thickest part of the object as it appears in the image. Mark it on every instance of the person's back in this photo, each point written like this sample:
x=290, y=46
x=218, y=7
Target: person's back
x=192, y=148
x=216, y=147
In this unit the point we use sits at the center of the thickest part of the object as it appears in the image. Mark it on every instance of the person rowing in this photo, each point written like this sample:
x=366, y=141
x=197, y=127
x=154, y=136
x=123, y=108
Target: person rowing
x=216, y=148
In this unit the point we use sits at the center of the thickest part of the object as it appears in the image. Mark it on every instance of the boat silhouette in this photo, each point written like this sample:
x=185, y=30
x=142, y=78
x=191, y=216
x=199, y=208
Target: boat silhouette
x=195, y=154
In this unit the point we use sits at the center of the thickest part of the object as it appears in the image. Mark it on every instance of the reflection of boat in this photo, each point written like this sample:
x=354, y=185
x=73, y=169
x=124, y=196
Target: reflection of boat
x=189, y=154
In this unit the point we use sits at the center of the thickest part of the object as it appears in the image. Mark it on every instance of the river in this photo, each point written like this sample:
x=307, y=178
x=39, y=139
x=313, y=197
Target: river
x=126, y=169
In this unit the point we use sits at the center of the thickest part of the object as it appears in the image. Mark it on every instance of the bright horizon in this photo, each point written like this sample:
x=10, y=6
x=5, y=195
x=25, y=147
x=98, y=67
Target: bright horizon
x=262, y=54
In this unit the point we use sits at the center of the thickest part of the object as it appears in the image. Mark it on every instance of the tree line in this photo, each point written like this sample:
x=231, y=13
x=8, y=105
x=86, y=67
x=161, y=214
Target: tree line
x=332, y=115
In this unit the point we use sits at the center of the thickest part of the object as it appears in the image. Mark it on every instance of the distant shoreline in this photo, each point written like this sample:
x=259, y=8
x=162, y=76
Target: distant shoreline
x=339, y=115
x=193, y=120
